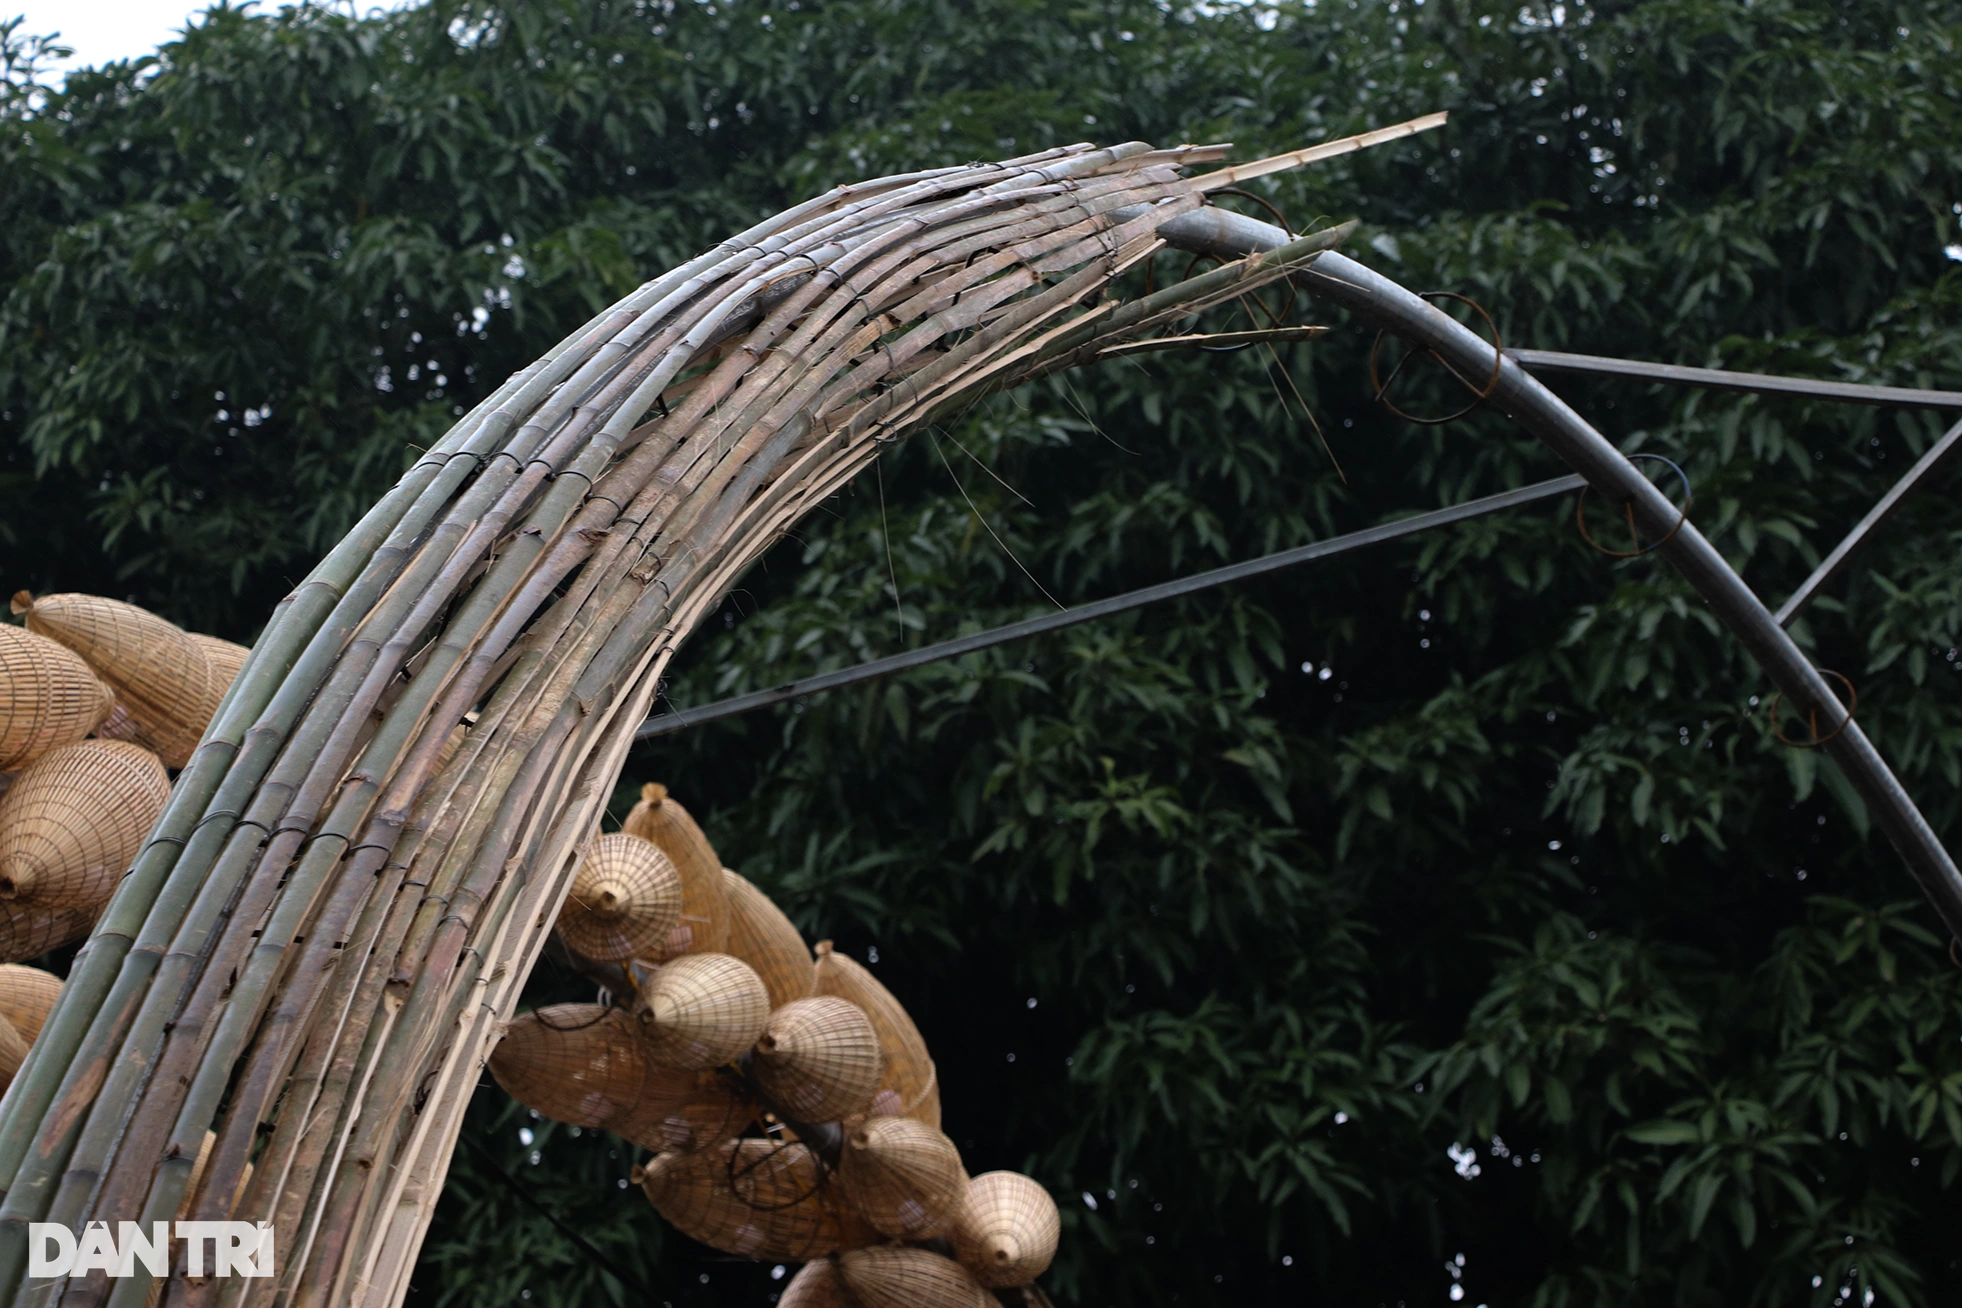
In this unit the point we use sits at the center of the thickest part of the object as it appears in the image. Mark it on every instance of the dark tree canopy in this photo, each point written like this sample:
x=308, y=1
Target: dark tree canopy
x=1301, y=937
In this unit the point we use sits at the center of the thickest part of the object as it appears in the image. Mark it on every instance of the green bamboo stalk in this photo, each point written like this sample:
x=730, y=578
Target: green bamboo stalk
x=370, y=938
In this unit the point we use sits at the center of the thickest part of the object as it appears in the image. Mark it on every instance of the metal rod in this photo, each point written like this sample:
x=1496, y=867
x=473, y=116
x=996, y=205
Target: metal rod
x=1383, y=303
x=1925, y=467
x=664, y=723
x=1720, y=379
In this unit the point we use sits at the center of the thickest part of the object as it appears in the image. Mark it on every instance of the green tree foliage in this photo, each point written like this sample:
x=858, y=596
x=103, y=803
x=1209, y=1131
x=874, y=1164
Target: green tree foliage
x=1302, y=937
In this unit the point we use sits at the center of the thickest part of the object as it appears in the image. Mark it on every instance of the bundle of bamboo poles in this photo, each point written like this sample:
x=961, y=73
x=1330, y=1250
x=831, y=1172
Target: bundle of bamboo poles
x=96, y=697
x=331, y=920
x=791, y=1103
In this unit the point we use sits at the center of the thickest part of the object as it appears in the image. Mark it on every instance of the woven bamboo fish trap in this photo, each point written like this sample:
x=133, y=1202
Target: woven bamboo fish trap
x=226, y=659
x=71, y=824
x=703, y=1009
x=753, y=1197
x=716, y=1107
x=1007, y=1230
x=328, y=928
x=898, y=1276
x=586, y=1065
x=49, y=697
x=163, y=678
x=29, y=930
x=816, y=1285
x=27, y=996
x=818, y=1059
x=902, y=1176
x=763, y=937
x=660, y=818
x=908, y=1085
x=624, y=902
x=13, y=1052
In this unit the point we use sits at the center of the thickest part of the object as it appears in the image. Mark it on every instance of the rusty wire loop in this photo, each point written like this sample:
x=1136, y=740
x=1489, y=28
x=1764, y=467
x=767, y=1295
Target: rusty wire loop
x=1280, y=219
x=1812, y=715
x=1628, y=509
x=1380, y=385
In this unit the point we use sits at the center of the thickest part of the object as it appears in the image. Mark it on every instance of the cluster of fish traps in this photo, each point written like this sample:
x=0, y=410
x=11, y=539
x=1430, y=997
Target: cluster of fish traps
x=97, y=699
x=791, y=1103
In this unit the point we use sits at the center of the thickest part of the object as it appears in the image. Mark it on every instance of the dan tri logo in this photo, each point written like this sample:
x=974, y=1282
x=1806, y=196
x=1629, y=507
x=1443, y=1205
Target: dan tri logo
x=237, y=1249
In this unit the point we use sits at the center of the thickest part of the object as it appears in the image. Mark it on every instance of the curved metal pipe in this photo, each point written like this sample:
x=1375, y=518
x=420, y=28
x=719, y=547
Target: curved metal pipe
x=1383, y=303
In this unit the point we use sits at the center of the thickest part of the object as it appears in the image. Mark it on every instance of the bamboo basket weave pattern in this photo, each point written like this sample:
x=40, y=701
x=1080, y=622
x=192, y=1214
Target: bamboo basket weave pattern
x=625, y=901
x=72, y=823
x=897, y=1276
x=763, y=937
x=163, y=679
x=752, y=1197
x=536, y=567
x=704, y=927
x=908, y=1086
x=27, y=995
x=1007, y=1231
x=49, y=697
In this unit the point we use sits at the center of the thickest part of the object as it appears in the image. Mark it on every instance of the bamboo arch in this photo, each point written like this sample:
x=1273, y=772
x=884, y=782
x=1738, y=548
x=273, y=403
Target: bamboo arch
x=336, y=913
